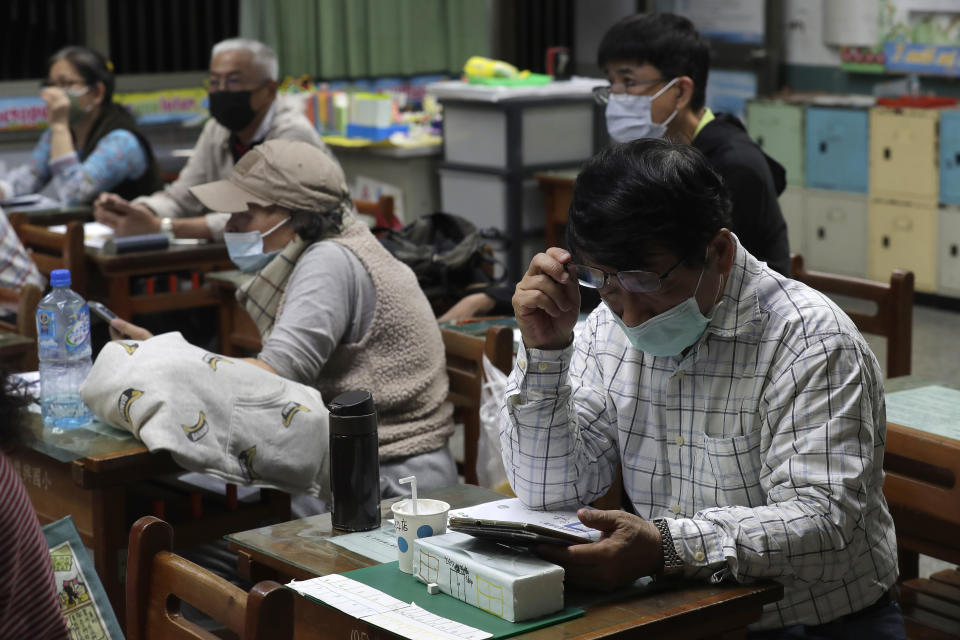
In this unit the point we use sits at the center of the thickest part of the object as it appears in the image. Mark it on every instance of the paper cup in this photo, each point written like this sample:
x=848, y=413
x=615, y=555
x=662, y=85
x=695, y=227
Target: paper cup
x=430, y=520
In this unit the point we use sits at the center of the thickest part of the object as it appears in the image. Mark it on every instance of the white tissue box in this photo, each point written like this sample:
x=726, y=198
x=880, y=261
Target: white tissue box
x=510, y=583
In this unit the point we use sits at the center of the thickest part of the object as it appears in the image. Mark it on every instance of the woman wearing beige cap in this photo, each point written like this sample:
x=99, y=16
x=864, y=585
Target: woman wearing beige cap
x=334, y=309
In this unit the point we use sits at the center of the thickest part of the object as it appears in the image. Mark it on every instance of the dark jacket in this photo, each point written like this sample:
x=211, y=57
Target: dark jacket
x=112, y=117
x=754, y=181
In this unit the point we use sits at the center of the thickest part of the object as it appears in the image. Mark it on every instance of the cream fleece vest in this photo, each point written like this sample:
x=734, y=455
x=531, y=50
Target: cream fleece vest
x=400, y=359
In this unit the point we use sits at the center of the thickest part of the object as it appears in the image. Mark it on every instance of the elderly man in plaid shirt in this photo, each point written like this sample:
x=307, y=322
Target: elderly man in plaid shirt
x=745, y=409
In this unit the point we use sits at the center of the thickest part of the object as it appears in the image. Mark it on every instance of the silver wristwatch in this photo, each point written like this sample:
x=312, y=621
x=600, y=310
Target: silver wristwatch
x=166, y=226
x=672, y=562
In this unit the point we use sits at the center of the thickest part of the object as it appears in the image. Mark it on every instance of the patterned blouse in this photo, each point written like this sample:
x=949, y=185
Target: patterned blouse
x=117, y=157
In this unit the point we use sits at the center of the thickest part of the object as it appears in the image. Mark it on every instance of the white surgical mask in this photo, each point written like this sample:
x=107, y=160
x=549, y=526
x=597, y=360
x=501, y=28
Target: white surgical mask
x=246, y=248
x=672, y=331
x=630, y=117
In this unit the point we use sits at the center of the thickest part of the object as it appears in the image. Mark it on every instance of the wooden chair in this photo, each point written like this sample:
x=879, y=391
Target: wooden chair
x=465, y=371
x=893, y=318
x=51, y=250
x=382, y=211
x=25, y=302
x=158, y=580
x=922, y=488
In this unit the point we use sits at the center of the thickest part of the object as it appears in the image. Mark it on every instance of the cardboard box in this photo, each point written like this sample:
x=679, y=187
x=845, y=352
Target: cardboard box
x=510, y=583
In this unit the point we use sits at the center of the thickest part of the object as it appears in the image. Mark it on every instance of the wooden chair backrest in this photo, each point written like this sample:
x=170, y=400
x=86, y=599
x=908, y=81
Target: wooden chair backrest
x=51, y=250
x=465, y=372
x=157, y=580
x=26, y=325
x=382, y=211
x=894, y=315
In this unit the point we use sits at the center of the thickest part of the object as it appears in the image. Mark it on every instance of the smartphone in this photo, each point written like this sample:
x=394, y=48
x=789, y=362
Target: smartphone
x=514, y=532
x=102, y=312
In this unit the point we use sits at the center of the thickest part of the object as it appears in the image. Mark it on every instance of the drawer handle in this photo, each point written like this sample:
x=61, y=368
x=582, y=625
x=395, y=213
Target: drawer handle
x=886, y=242
x=956, y=158
x=886, y=153
x=823, y=147
x=821, y=233
x=760, y=140
x=953, y=250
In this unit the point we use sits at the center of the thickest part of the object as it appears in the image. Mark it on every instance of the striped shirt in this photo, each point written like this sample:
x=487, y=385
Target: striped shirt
x=16, y=267
x=762, y=444
x=29, y=607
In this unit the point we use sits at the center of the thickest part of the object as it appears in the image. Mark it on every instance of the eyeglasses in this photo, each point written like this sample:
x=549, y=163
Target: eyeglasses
x=64, y=84
x=602, y=94
x=632, y=281
x=231, y=82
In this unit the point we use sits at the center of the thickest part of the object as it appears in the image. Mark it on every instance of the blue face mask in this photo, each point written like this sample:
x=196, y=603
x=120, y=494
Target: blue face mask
x=670, y=332
x=246, y=249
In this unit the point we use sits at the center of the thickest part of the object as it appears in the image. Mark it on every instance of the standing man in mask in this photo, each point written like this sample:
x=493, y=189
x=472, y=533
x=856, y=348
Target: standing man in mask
x=745, y=410
x=657, y=65
x=246, y=111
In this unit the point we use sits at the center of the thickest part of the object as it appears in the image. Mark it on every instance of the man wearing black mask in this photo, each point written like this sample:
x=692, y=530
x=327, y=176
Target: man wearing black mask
x=246, y=111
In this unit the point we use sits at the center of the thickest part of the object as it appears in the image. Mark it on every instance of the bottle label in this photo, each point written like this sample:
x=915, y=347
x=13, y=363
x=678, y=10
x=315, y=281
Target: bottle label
x=46, y=330
x=79, y=332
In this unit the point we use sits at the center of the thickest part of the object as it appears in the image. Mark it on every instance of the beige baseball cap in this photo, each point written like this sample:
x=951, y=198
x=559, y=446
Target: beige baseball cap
x=288, y=173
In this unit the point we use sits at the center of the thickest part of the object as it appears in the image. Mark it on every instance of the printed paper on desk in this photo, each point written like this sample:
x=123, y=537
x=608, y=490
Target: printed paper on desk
x=376, y=607
x=512, y=510
x=95, y=234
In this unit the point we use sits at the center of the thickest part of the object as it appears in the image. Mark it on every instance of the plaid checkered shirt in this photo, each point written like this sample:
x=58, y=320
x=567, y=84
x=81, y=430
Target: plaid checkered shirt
x=762, y=444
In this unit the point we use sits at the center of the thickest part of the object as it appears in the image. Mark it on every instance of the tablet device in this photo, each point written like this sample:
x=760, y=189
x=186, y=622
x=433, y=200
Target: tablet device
x=514, y=532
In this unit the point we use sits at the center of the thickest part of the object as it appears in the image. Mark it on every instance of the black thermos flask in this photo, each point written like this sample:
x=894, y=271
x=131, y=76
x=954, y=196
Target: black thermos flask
x=354, y=462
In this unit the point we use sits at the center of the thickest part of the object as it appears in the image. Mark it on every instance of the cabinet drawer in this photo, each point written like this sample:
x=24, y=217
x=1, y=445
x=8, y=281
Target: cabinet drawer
x=836, y=149
x=903, y=154
x=903, y=236
x=835, y=228
x=950, y=157
x=948, y=251
x=778, y=129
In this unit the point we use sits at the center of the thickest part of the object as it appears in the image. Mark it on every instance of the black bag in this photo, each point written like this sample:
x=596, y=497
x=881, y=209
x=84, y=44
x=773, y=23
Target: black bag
x=449, y=255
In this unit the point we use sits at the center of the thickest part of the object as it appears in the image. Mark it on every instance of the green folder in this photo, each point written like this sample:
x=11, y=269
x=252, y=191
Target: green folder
x=388, y=578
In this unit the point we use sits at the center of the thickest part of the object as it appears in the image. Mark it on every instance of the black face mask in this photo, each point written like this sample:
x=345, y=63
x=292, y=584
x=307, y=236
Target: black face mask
x=232, y=109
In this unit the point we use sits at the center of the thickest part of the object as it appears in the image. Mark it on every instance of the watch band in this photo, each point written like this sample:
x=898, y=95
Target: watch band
x=672, y=562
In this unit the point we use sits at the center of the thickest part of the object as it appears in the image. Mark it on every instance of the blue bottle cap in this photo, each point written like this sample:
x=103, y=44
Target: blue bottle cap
x=60, y=278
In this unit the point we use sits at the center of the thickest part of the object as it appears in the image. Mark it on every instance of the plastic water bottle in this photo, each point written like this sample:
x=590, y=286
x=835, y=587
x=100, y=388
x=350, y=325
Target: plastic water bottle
x=63, y=344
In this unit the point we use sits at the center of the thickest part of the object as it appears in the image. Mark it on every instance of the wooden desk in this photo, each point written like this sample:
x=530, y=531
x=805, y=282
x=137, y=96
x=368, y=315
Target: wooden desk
x=97, y=475
x=924, y=523
x=54, y=215
x=110, y=277
x=302, y=549
x=557, y=187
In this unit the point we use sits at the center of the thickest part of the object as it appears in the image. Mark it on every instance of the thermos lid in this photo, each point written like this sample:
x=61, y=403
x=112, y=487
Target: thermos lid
x=353, y=413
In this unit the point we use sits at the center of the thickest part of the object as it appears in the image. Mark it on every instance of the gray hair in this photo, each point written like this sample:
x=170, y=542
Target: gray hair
x=264, y=57
x=316, y=225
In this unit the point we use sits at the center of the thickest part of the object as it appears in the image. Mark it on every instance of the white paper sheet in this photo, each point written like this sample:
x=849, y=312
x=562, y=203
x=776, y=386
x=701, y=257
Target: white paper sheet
x=94, y=233
x=378, y=544
x=376, y=607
